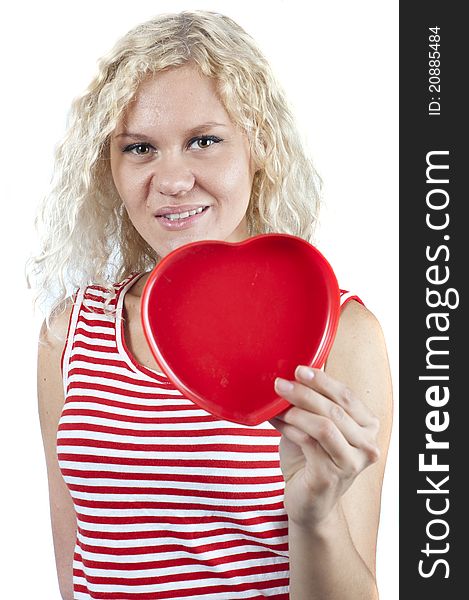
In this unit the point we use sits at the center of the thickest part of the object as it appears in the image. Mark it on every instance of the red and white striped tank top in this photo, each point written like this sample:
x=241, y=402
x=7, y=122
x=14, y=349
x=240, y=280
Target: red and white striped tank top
x=171, y=501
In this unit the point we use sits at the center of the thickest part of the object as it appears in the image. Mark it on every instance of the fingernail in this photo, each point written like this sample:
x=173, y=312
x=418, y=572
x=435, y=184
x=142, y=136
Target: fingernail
x=283, y=386
x=305, y=373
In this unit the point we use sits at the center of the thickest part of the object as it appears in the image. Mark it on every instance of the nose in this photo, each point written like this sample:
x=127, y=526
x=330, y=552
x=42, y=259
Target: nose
x=172, y=176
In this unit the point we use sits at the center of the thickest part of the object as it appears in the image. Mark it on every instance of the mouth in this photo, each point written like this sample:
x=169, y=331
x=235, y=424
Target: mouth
x=180, y=217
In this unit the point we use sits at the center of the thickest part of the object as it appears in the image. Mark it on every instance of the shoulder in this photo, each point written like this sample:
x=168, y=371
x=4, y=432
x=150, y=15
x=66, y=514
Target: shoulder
x=53, y=334
x=359, y=357
x=357, y=325
x=52, y=339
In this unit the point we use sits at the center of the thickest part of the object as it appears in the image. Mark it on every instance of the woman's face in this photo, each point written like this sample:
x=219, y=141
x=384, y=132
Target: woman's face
x=176, y=151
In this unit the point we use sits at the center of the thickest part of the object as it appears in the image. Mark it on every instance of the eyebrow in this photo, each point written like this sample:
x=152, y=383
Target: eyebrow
x=193, y=130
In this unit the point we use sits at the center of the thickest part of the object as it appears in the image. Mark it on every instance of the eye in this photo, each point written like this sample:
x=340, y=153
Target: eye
x=204, y=141
x=139, y=149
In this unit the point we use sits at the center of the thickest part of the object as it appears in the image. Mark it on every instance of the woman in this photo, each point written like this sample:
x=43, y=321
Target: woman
x=184, y=135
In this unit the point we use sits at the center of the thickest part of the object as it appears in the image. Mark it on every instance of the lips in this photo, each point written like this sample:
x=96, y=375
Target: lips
x=176, y=218
x=178, y=209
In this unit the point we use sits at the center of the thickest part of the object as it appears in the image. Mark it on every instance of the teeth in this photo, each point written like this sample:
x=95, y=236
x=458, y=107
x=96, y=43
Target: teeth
x=184, y=215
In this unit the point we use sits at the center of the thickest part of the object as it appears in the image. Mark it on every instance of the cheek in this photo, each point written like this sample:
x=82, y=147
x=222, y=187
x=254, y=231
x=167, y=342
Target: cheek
x=232, y=179
x=130, y=185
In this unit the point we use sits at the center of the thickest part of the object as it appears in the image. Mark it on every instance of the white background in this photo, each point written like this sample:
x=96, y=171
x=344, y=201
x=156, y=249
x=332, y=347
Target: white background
x=338, y=62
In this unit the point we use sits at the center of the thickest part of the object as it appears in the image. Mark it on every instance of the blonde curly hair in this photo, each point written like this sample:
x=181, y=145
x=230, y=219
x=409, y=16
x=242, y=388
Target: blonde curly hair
x=85, y=233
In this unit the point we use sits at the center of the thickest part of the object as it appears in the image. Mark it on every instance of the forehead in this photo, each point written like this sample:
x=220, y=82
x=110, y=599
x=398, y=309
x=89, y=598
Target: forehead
x=181, y=96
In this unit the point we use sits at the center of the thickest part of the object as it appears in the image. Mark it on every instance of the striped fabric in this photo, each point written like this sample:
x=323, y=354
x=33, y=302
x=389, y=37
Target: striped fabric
x=171, y=501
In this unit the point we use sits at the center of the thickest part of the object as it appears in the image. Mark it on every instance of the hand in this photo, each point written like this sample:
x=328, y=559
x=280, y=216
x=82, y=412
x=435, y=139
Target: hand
x=328, y=438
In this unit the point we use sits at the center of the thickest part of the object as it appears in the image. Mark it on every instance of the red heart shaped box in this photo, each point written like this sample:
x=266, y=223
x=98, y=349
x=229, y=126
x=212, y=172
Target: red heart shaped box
x=225, y=319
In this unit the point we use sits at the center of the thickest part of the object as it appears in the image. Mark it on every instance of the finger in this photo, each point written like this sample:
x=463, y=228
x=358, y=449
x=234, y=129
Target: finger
x=314, y=437
x=310, y=447
x=338, y=392
x=310, y=400
x=294, y=434
x=327, y=434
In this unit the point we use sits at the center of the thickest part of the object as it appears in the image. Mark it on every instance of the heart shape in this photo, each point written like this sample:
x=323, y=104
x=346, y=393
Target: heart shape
x=225, y=319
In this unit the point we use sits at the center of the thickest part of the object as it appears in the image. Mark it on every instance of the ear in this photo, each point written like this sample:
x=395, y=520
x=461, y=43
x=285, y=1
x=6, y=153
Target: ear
x=254, y=167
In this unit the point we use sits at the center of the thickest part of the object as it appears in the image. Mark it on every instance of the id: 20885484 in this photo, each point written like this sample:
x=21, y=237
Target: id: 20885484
x=434, y=71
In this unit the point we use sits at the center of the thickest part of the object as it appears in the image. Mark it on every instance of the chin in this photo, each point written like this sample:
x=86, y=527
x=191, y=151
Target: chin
x=178, y=241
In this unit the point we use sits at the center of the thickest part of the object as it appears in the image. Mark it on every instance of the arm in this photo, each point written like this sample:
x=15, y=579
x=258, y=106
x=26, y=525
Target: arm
x=332, y=535
x=51, y=400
